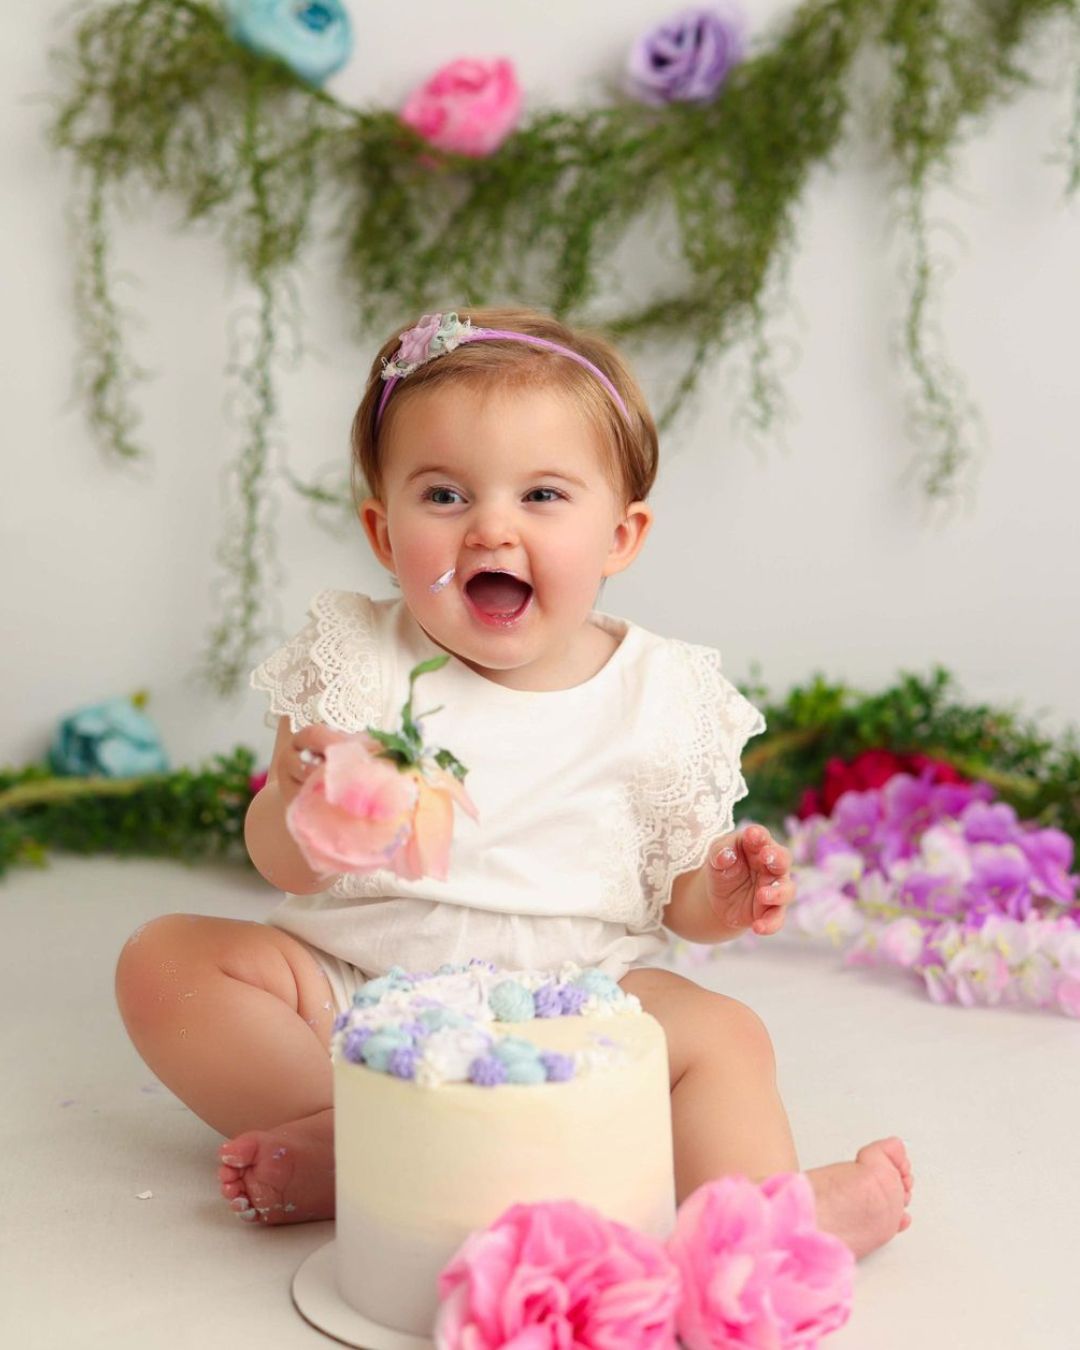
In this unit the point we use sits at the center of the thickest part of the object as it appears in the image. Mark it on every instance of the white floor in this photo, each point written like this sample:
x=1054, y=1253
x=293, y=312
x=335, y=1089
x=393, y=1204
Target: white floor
x=988, y=1102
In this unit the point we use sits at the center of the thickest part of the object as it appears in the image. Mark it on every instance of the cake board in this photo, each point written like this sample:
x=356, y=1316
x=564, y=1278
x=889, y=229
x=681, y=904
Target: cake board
x=315, y=1294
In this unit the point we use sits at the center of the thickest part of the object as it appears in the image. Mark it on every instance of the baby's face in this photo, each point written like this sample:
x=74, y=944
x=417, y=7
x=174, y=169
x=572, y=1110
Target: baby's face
x=509, y=489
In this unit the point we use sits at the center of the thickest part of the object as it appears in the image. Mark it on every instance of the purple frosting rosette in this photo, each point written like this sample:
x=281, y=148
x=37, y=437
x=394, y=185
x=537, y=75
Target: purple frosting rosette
x=686, y=58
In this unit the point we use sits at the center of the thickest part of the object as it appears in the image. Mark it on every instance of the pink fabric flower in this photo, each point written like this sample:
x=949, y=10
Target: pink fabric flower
x=756, y=1270
x=416, y=343
x=557, y=1276
x=468, y=107
x=354, y=813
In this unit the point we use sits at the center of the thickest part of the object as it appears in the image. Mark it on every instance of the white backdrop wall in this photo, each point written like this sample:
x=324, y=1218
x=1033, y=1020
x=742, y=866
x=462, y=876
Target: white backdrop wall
x=811, y=555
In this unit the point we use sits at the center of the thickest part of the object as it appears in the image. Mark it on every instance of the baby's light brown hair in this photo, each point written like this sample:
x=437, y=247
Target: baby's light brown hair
x=630, y=447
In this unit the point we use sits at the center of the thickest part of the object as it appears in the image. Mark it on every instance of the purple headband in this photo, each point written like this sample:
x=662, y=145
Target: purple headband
x=436, y=334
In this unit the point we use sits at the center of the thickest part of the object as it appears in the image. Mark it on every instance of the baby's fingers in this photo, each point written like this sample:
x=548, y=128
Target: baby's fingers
x=770, y=901
x=763, y=853
x=770, y=922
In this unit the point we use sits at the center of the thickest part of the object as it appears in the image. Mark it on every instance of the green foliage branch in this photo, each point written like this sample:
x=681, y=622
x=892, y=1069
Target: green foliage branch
x=1036, y=773
x=192, y=814
x=159, y=98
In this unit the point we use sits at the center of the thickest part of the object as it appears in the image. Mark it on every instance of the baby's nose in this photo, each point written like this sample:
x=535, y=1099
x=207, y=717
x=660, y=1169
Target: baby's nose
x=491, y=528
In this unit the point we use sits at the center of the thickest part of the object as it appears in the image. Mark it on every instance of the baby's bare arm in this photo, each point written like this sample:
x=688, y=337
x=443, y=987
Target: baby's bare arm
x=271, y=846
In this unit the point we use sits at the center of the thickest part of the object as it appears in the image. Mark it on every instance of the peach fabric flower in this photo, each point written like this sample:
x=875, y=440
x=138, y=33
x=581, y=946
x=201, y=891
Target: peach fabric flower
x=467, y=107
x=756, y=1270
x=354, y=813
x=557, y=1276
x=426, y=851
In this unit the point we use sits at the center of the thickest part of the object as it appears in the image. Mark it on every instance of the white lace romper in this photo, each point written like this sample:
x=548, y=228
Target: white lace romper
x=591, y=800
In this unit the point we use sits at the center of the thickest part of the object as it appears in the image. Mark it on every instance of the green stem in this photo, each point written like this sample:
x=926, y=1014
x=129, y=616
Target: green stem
x=49, y=790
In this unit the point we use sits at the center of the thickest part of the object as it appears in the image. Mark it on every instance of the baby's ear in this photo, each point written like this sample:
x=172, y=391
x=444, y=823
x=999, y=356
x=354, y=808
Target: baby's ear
x=372, y=515
x=630, y=535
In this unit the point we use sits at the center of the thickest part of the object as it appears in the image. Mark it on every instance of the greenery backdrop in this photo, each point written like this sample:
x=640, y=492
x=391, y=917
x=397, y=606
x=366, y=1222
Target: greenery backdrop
x=155, y=95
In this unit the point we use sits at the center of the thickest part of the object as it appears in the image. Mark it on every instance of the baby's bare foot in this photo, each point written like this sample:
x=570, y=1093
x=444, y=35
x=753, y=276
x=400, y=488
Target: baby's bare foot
x=283, y=1175
x=864, y=1203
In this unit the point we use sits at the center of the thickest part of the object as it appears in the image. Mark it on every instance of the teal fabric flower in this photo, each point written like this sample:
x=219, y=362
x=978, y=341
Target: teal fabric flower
x=313, y=37
x=114, y=739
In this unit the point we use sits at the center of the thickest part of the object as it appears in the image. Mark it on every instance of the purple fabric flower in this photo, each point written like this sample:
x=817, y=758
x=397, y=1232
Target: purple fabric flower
x=686, y=58
x=415, y=348
x=547, y=1002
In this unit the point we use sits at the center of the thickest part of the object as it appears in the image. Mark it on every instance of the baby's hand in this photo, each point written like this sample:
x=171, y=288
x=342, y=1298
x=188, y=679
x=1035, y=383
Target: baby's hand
x=298, y=756
x=749, y=880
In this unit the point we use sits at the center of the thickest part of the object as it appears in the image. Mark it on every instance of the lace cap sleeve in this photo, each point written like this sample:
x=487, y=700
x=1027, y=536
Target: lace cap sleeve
x=687, y=791
x=329, y=672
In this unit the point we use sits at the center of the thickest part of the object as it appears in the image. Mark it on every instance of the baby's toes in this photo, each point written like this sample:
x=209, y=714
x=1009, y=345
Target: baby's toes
x=241, y=1151
x=232, y=1189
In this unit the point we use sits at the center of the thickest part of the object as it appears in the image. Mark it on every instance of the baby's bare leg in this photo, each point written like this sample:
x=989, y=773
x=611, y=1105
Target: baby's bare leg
x=727, y=1116
x=235, y=1018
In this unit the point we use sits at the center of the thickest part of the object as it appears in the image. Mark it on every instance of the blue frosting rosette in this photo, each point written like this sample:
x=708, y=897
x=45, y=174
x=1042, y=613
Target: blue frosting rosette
x=312, y=37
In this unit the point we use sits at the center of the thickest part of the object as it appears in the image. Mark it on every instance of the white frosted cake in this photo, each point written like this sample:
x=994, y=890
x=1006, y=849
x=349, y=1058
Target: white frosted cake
x=460, y=1093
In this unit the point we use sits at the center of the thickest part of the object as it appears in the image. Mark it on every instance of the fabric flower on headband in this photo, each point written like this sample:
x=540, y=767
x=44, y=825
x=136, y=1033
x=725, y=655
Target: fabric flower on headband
x=431, y=337
x=382, y=799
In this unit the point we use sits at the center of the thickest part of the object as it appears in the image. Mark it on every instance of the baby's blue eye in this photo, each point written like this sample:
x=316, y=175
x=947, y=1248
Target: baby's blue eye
x=544, y=495
x=442, y=496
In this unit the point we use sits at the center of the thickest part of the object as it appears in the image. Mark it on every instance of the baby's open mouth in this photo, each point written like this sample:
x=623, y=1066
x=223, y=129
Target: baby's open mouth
x=498, y=597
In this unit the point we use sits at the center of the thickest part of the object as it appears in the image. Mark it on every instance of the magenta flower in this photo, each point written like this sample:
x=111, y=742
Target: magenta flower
x=1050, y=853
x=468, y=107
x=988, y=822
x=686, y=58
x=756, y=1269
x=985, y=890
x=557, y=1275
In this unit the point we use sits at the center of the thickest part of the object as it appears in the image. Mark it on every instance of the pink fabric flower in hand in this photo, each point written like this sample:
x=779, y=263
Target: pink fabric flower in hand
x=468, y=107
x=756, y=1270
x=382, y=799
x=553, y=1275
x=354, y=813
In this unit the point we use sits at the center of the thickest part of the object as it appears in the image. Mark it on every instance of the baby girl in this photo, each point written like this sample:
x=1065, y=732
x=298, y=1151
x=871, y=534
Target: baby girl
x=503, y=463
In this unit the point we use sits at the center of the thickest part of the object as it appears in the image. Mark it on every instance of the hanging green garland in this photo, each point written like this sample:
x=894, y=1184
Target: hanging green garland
x=159, y=95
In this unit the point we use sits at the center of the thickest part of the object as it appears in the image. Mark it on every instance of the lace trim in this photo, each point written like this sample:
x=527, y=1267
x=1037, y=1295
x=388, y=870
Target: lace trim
x=683, y=796
x=329, y=672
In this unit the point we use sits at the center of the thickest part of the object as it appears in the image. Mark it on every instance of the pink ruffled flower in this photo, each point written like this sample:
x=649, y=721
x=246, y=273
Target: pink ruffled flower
x=557, y=1276
x=756, y=1270
x=416, y=343
x=468, y=107
x=354, y=813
